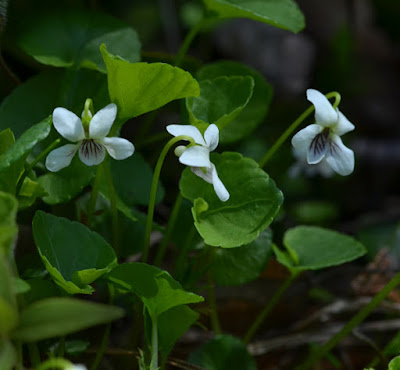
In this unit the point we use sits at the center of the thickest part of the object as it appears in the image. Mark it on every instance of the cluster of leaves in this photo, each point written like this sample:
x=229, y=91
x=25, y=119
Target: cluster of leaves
x=98, y=56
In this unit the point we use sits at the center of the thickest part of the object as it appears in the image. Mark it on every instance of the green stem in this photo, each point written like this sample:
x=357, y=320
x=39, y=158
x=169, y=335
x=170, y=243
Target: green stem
x=62, y=347
x=353, y=323
x=170, y=228
x=113, y=203
x=294, y=126
x=215, y=324
x=106, y=334
x=34, y=163
x=94, y=194
x=154, y=345
x=180, y=261
x=153, y=191
x=34, y=354
x=267, y=309
x=55, y=362
x=187, y=41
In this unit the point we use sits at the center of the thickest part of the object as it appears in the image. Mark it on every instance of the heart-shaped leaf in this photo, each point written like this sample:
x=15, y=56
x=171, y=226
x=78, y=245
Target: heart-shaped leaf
x=314, y=248
x=156, y=288
x=70, y=39
x=220, y=101
x=279, y=13
x=254, y=201
x=138, y=88
x=236, y=266
x=255, y=110
x=74, y=255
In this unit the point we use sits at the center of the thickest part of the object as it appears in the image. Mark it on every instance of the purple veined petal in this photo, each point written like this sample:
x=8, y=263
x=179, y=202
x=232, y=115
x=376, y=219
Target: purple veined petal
x=325, y=114
x=68, y=124
x=117, y=147
x=187, y=130
x=206, y=176
x=61, y=157
x=219, y=187
x=91, y=152
x=196, y=156
x=318, y=147
x=211, y=136
x=344, y=125
x=302, y=140
x=101, y=123
x=339, y=157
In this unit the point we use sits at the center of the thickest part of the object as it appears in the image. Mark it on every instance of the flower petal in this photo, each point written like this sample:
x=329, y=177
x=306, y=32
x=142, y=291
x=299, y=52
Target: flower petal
x=68, y=124
x=61, y=157
x=344, y=125
x=302, y=140
x=196, y=156
x=206, y=176
x=91, y=152
x=219, y=187
x=325, y=114
x=339, y=157
x=102, y=121
x=318, y=147
x=211, y=136
x=187, y=130
x=117, y=147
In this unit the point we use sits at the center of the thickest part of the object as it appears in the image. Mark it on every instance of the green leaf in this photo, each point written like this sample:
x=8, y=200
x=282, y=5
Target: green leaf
x=73, y=254
x=394, y=364
x=8, y=355
x=279, y=13
x=138, y=88
x=8, y=305
x=61, y=316
x=223, y=352
x=8, y=225
x=256, y=109
x=172, y=324
x=254, y=201
x=25, y=143
x=30, y=190
x=65, y=184
x=21, y=286
x=132, y=180
x=220, y=101
x=35, y=99
x=12, y=162
x=73, y=39
x=314, y=248
x=243, y=264
x=156, y=288
x=6, y=140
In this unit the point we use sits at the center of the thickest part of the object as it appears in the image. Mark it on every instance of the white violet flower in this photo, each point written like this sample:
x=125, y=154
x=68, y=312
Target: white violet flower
x=198, y=156
x=90, y=139
x=321, y=141
x=76, y=367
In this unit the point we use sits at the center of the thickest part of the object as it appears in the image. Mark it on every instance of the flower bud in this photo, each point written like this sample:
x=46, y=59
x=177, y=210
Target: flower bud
x=179, y=150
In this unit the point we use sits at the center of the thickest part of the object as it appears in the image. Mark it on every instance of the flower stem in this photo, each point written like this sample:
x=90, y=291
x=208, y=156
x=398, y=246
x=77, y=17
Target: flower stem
x=216, y=326
x=113, y=203
x=294, y=126
x=34, y=163
x=267, y=309
x=106, y=334
x=353, y=323
x=153, y=192
x=94, y=194
x=187, y=41
x=171, y=224
x=154, y=345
